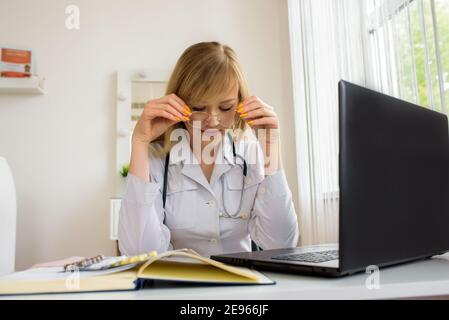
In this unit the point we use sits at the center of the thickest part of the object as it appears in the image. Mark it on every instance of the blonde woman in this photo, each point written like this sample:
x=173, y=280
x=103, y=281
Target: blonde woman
x=195, y=180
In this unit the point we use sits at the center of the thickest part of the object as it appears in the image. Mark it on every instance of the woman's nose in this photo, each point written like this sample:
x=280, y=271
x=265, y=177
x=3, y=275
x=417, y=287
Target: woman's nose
x=213, y=120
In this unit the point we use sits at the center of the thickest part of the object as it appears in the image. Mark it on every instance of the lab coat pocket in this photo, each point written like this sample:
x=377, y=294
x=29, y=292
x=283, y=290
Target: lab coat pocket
x=234, y=193
x=236, y=181
x=181, y=207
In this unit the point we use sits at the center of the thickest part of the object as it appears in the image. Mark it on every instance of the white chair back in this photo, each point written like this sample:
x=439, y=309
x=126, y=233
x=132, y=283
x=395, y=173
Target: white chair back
x=8, y=208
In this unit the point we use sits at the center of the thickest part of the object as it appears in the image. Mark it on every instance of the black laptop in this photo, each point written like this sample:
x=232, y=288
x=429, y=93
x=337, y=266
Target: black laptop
x=394, y=190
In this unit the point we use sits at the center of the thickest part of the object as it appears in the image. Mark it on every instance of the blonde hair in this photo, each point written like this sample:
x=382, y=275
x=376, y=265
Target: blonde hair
x=203, y=71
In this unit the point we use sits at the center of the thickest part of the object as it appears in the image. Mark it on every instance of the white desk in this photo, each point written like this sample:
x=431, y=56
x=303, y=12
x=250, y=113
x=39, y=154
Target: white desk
x=421, y=279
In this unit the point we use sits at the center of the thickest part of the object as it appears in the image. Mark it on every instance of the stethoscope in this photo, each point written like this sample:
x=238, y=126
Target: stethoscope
x=226, y=213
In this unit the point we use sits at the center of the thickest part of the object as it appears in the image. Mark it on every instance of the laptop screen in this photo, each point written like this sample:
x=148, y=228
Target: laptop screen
x=394, y=180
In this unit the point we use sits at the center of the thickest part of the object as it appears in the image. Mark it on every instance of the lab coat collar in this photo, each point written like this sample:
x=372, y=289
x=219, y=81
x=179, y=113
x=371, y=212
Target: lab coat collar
x=182, y=154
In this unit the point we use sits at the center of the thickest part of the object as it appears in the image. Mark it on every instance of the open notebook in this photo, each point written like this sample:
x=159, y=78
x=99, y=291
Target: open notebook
x=179, y=265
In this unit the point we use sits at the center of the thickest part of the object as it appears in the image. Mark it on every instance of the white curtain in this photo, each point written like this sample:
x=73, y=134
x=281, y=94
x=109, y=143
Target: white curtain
x=326, y=46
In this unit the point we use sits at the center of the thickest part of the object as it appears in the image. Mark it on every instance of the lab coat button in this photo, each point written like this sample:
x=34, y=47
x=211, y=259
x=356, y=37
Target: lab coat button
x=212, y=203
x=244, y=215
x=213, y=241
x=220, y=214
x=262, y=190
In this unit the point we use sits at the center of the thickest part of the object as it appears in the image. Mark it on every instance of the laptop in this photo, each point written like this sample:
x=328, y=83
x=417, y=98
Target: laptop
x=394, y=191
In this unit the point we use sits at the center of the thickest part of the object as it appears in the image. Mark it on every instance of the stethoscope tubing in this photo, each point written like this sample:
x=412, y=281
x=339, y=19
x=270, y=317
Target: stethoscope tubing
x=245, y=173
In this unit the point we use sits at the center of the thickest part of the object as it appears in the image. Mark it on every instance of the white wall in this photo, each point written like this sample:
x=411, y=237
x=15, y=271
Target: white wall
x=61, y=146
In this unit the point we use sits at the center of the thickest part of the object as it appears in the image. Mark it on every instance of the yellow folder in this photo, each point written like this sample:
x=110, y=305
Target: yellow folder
x=178, y=265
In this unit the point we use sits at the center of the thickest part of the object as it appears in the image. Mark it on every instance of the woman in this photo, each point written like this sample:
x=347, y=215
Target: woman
x=189, y=189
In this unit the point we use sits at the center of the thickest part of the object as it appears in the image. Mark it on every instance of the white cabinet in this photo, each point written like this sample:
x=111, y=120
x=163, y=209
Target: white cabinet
x=134, y=89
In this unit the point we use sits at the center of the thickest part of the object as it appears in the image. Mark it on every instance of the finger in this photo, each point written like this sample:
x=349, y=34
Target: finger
x=180, y=106
x=249, y=100
x=181, y=102
x=258, y=113
x=175, y=97
x=164, y=114
x=264, y=122
x=170, y=109
x=250, y=107
x=174, y=111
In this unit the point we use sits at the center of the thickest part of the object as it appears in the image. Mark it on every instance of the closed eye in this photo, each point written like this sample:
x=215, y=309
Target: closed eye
x=199, y=109
x=226, y=108
x=203, y=109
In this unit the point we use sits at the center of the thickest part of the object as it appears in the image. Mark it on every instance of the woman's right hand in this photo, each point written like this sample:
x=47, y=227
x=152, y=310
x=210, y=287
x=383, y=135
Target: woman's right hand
x=158, y=115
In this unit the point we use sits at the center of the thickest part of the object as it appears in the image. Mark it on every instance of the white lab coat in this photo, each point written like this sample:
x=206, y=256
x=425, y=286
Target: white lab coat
x=193, y=216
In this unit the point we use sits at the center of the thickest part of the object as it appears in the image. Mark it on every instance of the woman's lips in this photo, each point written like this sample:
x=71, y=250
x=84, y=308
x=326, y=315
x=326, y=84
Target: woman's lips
x=211, y=132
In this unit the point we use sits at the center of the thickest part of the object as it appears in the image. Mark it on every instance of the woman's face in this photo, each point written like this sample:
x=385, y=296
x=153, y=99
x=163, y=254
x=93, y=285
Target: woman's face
x=213, y=117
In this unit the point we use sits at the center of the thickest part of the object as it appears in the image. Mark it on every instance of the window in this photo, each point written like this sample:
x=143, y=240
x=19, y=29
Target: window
x=408, y=50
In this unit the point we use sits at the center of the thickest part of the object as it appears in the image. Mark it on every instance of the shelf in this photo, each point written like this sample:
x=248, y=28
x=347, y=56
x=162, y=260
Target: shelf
x=33, y=85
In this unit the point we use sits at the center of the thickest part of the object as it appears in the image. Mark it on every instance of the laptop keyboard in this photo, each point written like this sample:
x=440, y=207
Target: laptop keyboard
x=309, y=257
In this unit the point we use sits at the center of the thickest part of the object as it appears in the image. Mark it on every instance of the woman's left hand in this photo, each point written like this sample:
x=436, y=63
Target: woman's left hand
x=260, y=115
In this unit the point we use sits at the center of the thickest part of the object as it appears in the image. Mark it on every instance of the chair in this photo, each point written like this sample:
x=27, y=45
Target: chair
x=8, y=208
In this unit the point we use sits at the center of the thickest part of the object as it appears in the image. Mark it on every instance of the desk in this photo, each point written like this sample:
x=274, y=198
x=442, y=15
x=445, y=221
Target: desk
x=423, y=279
